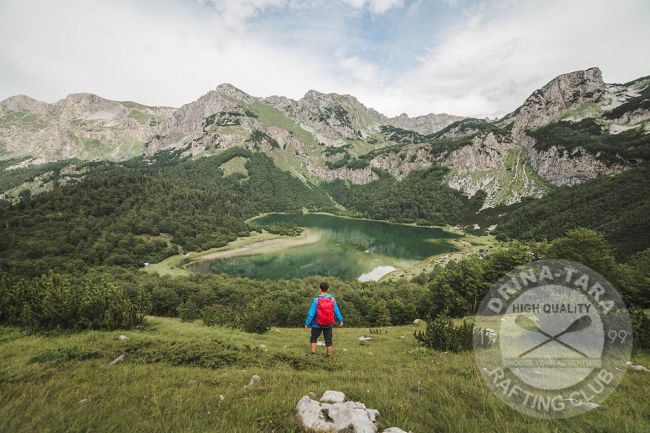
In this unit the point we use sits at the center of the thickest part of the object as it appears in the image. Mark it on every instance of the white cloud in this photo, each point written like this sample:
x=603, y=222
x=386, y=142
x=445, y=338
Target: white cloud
x=490, y=62
x=484, y=60
x=376, y=6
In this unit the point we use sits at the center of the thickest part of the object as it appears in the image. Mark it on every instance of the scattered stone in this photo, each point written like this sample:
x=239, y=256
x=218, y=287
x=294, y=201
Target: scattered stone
x=370, y=353
x=284, y=347
x=118, y=359
x=336, y=417
x=83, y=401
x=311, y=415
x=221, y=397
x=637, y=367
x=401, y=337
x=586, y=404
x=254, y=380
x=416, y=321
x=333, y=397
x=263, y=347
x=345, y=350
x=122, y=338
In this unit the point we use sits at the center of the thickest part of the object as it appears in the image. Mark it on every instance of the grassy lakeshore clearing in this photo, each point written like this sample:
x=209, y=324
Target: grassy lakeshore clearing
x=258, y=243
x=174, y=373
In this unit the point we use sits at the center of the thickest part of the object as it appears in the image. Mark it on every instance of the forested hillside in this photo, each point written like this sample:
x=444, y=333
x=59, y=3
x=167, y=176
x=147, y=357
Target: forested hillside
x=422, y=196
x=617, y=206
x=145, y=210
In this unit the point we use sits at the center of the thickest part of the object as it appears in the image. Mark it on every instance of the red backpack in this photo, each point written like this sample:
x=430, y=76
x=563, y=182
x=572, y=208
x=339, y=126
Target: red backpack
x=325, y=312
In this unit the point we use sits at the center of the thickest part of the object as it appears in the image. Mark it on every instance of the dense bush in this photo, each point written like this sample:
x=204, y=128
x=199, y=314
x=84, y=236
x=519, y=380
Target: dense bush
x=61, y=301
x=441, y=334
x=284, y=229
x=188, y=311
x=641, y=329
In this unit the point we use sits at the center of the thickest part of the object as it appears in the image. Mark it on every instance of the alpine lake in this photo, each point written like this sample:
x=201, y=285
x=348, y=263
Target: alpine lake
x=346, y=248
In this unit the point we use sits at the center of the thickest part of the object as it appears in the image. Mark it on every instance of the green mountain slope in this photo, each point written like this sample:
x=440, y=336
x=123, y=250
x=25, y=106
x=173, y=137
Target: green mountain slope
x=618, y=206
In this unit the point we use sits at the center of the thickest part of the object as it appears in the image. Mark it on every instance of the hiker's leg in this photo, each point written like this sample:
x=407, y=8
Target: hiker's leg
x=327, y=333
x=315, y=333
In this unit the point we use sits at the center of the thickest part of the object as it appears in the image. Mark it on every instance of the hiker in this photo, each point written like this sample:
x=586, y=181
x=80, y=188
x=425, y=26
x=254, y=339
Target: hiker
x=321, y=318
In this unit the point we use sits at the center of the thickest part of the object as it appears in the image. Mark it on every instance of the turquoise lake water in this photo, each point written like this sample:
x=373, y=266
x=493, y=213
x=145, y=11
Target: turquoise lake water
x=348, y=248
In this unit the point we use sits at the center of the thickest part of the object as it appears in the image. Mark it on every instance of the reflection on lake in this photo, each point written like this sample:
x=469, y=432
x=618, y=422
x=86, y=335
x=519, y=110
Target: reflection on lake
x=348, y=248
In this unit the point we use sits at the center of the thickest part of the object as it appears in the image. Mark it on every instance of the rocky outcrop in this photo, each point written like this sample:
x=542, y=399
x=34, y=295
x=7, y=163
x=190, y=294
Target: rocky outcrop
x=426, y=124
x=82, y=125
x=556, y=98
x=560, y=167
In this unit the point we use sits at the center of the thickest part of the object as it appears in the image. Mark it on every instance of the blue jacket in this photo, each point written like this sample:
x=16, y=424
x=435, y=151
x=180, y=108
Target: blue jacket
x=311, y=318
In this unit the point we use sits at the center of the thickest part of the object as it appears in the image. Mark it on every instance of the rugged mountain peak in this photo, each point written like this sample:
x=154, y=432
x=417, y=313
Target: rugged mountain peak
x=228, y=90
x=559, y=95
x=425, y=124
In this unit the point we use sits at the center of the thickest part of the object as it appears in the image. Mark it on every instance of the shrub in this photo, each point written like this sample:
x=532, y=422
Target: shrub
x=188, y=311
x=61, y=301
x=641, y=328
x=255, y=321
x=441, y=334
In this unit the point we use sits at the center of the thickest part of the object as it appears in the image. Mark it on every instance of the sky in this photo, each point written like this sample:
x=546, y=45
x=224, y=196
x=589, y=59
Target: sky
x=474, y=58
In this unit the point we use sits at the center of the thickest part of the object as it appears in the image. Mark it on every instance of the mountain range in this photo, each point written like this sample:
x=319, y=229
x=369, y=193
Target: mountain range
x=574, y=128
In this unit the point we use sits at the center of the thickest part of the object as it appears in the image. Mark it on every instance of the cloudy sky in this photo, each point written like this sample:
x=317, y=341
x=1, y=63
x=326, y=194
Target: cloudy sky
x=478, y=58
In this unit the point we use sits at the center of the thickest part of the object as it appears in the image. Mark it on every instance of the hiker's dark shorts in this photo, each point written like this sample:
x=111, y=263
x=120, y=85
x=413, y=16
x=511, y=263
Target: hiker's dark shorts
x=327, y=333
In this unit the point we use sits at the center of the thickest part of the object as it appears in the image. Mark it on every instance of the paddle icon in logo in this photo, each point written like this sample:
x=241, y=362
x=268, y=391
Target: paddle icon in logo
x=528, y=324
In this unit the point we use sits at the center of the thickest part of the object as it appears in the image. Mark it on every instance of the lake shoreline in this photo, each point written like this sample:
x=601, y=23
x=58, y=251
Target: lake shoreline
x=267, y=243
x=261, y=247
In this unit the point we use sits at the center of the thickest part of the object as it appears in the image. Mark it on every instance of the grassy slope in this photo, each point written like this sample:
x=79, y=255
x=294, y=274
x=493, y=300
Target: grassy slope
x=416, y=389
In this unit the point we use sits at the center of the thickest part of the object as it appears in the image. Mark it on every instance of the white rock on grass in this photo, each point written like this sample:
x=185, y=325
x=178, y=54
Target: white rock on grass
x=401, y=337
x=118, y=359
x=122, y=338
x=351, y=414
x=311, y=416
x=333, y=397
x=364, y=339
x=338, y=416
x=263, y=347
x=585, y=404
x=394, y=430
x=254, y=380
x=638, y=367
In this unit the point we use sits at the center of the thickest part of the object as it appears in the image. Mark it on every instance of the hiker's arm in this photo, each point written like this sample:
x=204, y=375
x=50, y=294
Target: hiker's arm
x=337, y=312
x=312, y=313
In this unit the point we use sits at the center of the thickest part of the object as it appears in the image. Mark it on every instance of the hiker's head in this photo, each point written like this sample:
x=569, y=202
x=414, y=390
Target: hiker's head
x=324, y=287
